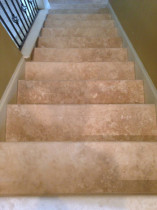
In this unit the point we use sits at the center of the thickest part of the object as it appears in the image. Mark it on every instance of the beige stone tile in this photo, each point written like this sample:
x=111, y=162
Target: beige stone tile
x=80, y=54
x=90, y=7
x=79, y=17
x=77, y=1
x=79, y=42
x=81, y=122
x=79, y=31
x=85, y=23
x=79, y=11
x=80, y=92
x=78, y=168
x=79, y=71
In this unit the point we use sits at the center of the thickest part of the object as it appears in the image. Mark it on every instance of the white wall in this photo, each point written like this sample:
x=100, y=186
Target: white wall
x=43, y=4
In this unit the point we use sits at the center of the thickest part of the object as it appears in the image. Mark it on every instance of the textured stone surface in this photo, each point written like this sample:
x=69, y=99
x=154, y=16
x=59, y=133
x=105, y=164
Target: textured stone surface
x=78, y=168
x=77, y=1
x=81, y=122
x=79, y=42
x=79, y=71
x=81, y=92
x=88, y=6
x=85, y=23
x=75, y=149
x=79, y=11
x=79, y=17
x=80, y=54
x=80, y=31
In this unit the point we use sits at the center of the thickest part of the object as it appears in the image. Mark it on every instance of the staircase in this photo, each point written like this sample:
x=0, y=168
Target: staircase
x=80, y=125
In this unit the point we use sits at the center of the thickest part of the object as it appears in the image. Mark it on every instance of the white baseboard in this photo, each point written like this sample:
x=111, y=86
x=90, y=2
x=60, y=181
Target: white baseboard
x=10, y=96
x=43, y=4
x=140, y=70
x=33, y=34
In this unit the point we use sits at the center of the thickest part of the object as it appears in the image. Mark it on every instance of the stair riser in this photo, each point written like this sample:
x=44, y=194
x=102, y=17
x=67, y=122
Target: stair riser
x=80, y=123
x=79, y=71
x=76, y=42
x=80, y=55
x=93, y=23
x=79, y=17
x=80, y=92
x=80, y=31
x=68, y=168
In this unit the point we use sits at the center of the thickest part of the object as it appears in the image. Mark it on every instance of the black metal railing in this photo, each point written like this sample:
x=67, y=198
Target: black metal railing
x=18, y=16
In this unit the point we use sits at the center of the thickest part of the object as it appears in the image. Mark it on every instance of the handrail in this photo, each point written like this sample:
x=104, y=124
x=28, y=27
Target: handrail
x=17, y=17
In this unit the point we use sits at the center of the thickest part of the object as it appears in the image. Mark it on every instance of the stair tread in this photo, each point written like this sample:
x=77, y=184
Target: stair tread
x=79, y=42
x=68, y=168
x=79, y=71
x=80, y=54
x=79, y=23
x=79, y=17
x=77, y=1
x=80, y=7
x=80, y=92
x=79, y=11
x=81, y=122
x=79, y=31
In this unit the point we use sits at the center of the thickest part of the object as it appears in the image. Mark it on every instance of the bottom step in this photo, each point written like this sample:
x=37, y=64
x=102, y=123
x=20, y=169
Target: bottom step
x=51, y=168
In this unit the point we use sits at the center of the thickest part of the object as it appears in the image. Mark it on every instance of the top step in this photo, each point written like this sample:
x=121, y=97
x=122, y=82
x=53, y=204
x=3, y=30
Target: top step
x=79, y=6
x=79, y=11
x=79, y=1
x=79, y=17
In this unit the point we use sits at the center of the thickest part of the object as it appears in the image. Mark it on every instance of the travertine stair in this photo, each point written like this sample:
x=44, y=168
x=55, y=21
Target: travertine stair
x=80, y=125
x=81, y=122
x=79, y=23
x=81, y=92
x=78, y=17
x=94, y=32
x=80, y=54
x=79, y=42
x=79, y=71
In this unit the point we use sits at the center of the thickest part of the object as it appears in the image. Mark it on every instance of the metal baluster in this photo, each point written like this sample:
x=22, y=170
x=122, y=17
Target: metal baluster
x=31, y=8
x=23, y=9
x=14, y=18
x=19, y=16
x=35, y=8
x=26, y=3
x=18, y=19
x=13, y=37
x=35, y=2
x=11, y=21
